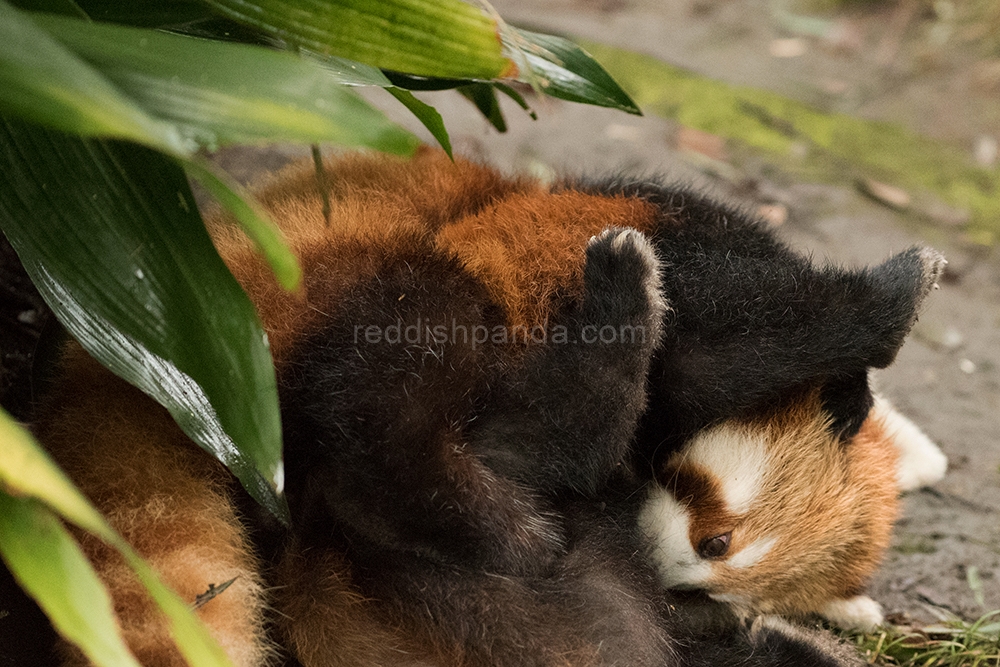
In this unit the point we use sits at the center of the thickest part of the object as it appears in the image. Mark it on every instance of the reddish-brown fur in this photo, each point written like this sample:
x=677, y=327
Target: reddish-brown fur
x=170, y=499
x=832, y=516
x=528, y=250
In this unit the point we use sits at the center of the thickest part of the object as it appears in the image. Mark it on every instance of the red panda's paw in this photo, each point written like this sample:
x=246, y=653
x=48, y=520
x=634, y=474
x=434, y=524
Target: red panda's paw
x=566, y=418
x=623, y=301
x=921, y=461
x=857, y=613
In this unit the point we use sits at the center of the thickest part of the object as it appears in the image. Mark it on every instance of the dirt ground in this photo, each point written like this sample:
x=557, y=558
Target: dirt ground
x=875, y=63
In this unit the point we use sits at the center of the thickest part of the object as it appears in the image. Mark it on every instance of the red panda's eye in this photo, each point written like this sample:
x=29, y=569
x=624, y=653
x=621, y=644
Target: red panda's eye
x=715, y=547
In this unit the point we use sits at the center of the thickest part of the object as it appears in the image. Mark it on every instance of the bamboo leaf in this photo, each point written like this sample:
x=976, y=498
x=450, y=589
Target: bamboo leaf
x=485, y=99
x=42, y=81
x=441, y=38
x=349, y=72
x=426, y=114
x=49, y=565
x=267, y=237
x=517, y=97
x=26, y=470
x=110, y=235
x=564, y=70
x=226, y=93
x=147, y=13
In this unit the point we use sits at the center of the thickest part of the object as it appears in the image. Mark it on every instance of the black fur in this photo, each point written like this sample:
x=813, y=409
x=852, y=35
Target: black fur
x=443, y=447
x=753, y=322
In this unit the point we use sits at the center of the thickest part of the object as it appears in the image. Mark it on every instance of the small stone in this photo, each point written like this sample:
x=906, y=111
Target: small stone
x=884, y=193
x=952, y=339
x=775, y=214
x=789, y=47
x=28, y=316
x=967, y=366
x=986, y=150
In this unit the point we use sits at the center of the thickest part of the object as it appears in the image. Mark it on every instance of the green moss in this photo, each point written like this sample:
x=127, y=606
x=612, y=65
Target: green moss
x=840, y=147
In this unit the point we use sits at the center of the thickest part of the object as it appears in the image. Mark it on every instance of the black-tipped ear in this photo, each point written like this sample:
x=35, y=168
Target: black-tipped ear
x=898, y=288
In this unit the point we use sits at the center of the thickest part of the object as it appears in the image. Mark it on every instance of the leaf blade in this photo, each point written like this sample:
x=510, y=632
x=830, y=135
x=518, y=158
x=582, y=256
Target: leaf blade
x=64, y=583
x=110, y=235
x=221, y=92
x=265, y=235
x=44, y=82
x=443, y=38
x=49, y=565
x=566, y=71
x=426, y=114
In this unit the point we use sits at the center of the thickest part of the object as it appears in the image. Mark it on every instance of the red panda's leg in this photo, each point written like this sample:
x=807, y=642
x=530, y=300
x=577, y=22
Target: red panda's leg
x=169, y=500
x=375, y=406
x=568, y=418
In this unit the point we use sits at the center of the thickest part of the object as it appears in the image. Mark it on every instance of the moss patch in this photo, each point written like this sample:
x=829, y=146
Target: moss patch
x=826, y=146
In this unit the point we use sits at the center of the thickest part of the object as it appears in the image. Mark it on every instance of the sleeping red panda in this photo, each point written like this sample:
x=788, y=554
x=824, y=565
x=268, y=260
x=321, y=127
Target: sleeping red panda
x=772, y=527
x=478, y=380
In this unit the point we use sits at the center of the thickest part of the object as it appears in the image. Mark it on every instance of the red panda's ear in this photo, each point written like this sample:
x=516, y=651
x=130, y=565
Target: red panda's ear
x=896, y=291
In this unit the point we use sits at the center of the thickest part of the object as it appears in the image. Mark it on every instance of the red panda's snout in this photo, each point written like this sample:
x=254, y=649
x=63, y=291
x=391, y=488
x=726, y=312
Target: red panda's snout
x=777, y=515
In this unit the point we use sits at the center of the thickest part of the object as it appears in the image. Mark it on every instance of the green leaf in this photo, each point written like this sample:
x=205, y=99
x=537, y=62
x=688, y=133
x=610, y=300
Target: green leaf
x=146, y=13
x=40, y=80
x=426, y=114
x=267, y=237
x=349, y=72
x=67, y=7
x=229, y=93
x=443, y=38
x=564, y=70
x=27, y=470
x=410, y=82
x=50, y=566
x=485, y=99
x=517, y=97
x=110, y=235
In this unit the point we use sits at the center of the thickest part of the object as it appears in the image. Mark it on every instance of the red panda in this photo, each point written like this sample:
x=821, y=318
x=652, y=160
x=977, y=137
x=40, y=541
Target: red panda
x=480, y=377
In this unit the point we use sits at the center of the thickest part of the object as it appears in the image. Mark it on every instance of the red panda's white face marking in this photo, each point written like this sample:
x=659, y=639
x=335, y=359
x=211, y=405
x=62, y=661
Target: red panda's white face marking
x=774, y=515
x=692, y=515
x=666, y=523
x=737, y=457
